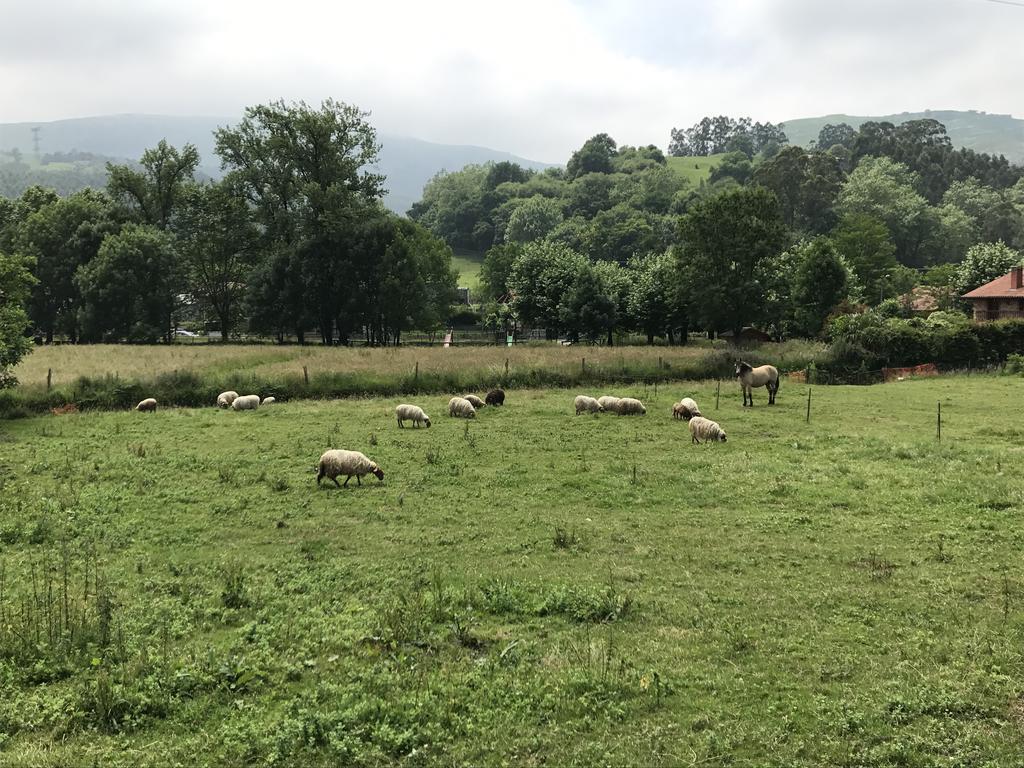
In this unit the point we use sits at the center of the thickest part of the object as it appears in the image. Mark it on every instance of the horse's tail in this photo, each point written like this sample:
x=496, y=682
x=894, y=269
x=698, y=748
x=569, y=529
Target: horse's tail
x=778, y=380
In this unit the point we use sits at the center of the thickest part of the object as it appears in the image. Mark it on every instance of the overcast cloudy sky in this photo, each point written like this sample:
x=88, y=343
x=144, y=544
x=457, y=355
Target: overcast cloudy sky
x=534, y=77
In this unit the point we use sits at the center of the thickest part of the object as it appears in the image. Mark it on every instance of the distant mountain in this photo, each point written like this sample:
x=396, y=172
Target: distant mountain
x=980, y=131
x=408, y=163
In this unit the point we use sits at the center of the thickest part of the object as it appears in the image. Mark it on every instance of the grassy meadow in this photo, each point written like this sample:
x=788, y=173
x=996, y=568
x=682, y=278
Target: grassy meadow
x=529, y=588
x=468, y=265
x=694, y=169
x=105, y=376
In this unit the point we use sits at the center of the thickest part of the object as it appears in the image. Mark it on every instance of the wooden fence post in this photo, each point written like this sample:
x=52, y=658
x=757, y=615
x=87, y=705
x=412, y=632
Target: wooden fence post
x=808, y=405
x=938, y=422
x=49, y=378
x=416, y=375
x=718, y=393
x=305, y=375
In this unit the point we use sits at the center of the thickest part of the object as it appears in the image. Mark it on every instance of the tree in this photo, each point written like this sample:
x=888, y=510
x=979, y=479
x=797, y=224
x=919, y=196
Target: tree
x=153, y=193
x=496, y=269
x=724, y=244
x=453, y=206
x=840, y=134
x=129, y=291
x=734, y=165
x=306, y=173
x=819, y=283
x=587, y=308
x=983, y=263
x=415, y=286
x=15, y=286
x=541, y=278
x=806, y=185
x=621, y=232
x=218, y=244
x=884, y=190
x=61, y=236
x=865, y=244
x=532, y=219
x=654, y=300
x=595, y=156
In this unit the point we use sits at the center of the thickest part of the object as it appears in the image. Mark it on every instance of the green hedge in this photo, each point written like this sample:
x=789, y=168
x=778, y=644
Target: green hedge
x=870, y=342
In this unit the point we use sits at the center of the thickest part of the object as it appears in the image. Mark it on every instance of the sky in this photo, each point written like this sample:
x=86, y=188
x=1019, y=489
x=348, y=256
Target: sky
x=532, y=77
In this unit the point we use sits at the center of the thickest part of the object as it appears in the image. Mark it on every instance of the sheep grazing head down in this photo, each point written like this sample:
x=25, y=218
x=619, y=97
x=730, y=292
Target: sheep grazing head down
x=379, y=473
x=742, y=368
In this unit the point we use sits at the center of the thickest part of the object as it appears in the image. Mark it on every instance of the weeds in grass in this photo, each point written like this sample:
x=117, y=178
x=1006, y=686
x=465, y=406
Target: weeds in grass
x=373, y=438
x=138, y=450
x=565, y=538
x=233, y=594
x=279, y=484
x=226, y=474
x=433, y=457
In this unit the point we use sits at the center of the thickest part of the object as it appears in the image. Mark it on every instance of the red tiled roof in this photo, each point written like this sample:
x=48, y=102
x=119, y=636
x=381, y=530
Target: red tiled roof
x=997, y=289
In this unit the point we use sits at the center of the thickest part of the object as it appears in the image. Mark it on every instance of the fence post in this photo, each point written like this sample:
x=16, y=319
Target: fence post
x=416, y=374
x=938, y=422
x=659, y=362
x=506, y=367
x=49, y=378
x=808, y=405
x=583, y=365
x=305, y=375
x=718, y=392
x=655, y=389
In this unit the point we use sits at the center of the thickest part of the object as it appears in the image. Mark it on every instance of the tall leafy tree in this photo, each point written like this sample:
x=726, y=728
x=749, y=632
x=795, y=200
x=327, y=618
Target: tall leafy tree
x=595, y=156
x=129, y=291
x=724, y=244
x=153, y=193
x=496, y=268
x=865, y=244
x=983, y=263
x=61, y=236
x=306, y=172
x=217, y=241
x=655, y=301
x=819, y=283
x=15, y=286
x=541, y=278
x=885, y=190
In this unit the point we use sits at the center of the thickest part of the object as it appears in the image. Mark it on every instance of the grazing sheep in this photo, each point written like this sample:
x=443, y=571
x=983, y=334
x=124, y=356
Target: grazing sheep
x=706, y=430
x=629, y=406
x=461, y=408
x=268, y=400
x=609, y=403
x=149, y=404
x=412, y=413
x=588, y=404
x=762, y=376
x=495, y=397
x=475, y=401
x=335, y=463
x=225, y=399
x=685, y=409
x=246, y=403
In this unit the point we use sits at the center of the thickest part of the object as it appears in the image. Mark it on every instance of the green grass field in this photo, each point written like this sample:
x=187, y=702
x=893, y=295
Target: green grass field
x=527, y=588
x=694, y=169
x=468, y=265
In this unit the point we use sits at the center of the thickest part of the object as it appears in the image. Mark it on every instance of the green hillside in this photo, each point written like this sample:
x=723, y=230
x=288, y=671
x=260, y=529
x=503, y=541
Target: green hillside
x=694, y=169
x=980, y=131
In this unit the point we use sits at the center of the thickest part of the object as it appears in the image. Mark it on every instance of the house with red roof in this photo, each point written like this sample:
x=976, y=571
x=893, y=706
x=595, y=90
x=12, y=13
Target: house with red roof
x=1001, y=299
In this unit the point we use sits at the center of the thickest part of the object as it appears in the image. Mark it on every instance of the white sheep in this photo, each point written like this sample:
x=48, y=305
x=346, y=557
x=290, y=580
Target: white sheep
x=225, y=399
x=706, y=430
x=685, y=409
x=246, y=403
x=335, y=463
x=268, y=401
x=149, y=404
x=475, y=401
x=588, y=404
x=461, y=408
x=610, y=403
x=629, y=406
x=413, y=413
x=766, y=376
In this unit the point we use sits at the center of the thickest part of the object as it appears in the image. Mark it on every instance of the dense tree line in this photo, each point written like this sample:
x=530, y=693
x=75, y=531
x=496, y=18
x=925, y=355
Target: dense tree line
x=778, y=236
x=294, y=238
